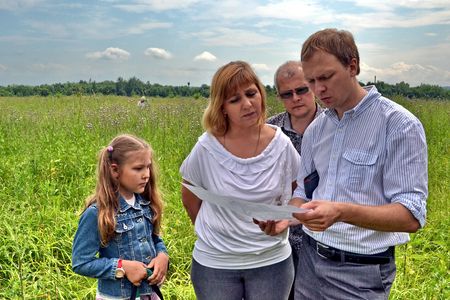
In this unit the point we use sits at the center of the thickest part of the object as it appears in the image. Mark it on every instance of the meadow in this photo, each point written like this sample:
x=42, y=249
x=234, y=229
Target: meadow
x=48, y=153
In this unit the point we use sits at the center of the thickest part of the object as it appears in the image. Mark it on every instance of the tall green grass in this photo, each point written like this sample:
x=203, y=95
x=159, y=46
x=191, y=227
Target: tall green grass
x=48, y=150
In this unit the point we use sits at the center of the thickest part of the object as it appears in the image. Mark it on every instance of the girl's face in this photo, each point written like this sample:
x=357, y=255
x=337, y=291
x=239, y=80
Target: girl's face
x=243, y=109
x=134, y=174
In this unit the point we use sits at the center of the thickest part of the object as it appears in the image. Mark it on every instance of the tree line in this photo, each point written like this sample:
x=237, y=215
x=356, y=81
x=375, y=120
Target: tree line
x=135, y=87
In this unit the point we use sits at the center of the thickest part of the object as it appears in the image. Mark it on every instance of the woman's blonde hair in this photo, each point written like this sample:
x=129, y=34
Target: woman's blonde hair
x=226, y=81
x=106, y=195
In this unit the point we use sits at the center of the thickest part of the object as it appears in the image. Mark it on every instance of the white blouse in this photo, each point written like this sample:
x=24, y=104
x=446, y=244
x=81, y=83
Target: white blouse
x=230, y=240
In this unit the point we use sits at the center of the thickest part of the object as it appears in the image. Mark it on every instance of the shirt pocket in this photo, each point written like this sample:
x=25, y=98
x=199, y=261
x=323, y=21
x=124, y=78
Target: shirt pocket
x=361, y=167
x=124, y=232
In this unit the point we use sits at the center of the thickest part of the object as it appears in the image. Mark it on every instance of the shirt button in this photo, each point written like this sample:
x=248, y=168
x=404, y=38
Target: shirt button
x=139, y=220
x=142, y=240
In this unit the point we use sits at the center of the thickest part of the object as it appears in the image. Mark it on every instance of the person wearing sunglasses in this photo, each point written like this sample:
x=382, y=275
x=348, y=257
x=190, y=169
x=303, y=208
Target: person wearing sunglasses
x=298, y=100
x=301, y=110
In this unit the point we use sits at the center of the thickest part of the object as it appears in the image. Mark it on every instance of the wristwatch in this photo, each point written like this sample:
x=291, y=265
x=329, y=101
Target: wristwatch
x=120, y=272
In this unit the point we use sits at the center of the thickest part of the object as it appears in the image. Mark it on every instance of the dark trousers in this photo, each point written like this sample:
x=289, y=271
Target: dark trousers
x=321, y=278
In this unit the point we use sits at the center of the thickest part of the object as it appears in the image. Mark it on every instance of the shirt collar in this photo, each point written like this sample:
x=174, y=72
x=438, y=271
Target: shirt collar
x=371, y=96
x=286, y=121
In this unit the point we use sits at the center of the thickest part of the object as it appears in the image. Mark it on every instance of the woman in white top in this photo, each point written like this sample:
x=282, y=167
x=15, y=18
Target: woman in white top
x=239, y=156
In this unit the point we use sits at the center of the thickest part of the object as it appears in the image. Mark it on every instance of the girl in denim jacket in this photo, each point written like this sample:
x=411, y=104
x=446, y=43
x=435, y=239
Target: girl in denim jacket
x=117, y=240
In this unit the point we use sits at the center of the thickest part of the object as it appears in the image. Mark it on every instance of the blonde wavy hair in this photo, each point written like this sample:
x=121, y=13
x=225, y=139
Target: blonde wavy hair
x=106, y=195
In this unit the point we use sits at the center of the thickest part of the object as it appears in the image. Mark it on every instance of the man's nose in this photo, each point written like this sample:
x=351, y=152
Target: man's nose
x=319, y=88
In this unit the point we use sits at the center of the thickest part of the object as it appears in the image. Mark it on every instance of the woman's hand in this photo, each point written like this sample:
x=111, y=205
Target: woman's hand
x=272, y=227
x=159, y=264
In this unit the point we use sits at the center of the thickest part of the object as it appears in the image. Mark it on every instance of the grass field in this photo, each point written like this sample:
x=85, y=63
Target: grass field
x=48, y=149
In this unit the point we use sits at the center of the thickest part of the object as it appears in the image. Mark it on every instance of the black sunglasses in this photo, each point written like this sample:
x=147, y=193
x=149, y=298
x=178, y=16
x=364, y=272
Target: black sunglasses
x=298, y=91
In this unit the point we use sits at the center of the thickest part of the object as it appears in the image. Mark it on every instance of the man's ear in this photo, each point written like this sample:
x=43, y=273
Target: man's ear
x=115, y=171
x=353, y=67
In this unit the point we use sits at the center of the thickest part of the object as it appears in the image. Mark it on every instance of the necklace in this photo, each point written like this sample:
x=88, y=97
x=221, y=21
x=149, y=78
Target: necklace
x=257, y=142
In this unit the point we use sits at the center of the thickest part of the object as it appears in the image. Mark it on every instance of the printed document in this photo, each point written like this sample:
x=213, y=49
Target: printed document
x=259, y=211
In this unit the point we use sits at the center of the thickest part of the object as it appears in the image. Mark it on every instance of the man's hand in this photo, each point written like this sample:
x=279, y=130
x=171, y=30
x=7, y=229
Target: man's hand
x=323, y=214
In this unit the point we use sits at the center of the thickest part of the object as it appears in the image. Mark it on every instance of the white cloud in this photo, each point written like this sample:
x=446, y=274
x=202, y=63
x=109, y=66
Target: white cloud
x=141, y=6
x=431, y=34
x=158, y=53
x=419, y=64
x=391, y=5
x=47, y=67
x=3, y=68
x=392, y=19
x=141, y=28
x=205, y=56
x=232, y=37
x=264, y=24
x=414, y=74
x=110, y=53
x=303, y=11
x=372, y=49
x=52, y=29
x=260, y=67
x=308, y=11
x=18, y=4
x=402, y=13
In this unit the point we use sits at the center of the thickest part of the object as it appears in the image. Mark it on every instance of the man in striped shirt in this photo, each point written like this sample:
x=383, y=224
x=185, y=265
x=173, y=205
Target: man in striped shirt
x=371, y=157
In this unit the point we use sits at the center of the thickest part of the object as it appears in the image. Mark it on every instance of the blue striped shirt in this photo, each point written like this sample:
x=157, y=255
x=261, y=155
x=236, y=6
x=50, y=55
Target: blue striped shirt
x=375, y=155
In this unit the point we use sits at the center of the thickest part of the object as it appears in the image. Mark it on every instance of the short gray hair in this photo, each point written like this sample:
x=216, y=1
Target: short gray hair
x=287, y=70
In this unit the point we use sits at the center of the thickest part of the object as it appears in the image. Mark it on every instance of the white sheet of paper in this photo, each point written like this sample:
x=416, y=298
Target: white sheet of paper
x=259, y=211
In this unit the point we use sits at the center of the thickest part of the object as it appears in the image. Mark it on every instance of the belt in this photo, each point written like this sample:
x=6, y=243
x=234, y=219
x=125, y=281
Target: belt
x=344, y=256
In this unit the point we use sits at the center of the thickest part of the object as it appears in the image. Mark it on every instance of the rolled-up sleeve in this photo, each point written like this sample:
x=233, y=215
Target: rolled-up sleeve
x=406, y=169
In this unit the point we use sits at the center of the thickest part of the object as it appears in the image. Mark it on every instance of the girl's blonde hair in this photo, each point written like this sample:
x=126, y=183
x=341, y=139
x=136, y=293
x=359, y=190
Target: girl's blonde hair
x=106, y=195
x=226, y=81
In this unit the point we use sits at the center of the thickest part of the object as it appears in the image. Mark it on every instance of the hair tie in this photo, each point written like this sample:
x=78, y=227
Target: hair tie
x=110, y=150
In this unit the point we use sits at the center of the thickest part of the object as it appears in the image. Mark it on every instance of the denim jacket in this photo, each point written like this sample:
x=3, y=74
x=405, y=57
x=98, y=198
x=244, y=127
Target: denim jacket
x=134, y=240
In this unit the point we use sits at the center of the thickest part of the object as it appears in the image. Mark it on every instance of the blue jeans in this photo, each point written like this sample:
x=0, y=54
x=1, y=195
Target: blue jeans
x=268, y=283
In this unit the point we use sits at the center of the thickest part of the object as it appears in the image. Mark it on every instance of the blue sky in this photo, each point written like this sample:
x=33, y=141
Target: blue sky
x=179, y=41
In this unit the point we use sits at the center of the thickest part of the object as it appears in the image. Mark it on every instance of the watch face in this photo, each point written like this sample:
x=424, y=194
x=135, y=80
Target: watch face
x=120, y=273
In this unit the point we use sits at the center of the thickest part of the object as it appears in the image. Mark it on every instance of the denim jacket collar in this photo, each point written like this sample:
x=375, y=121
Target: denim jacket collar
x=124, y=206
